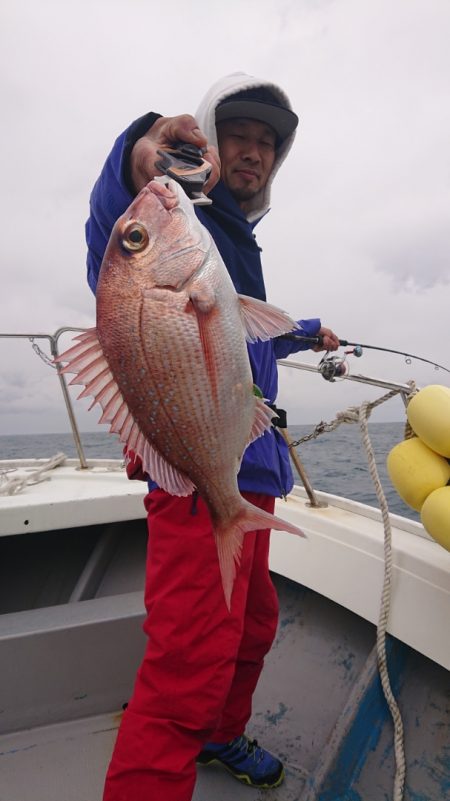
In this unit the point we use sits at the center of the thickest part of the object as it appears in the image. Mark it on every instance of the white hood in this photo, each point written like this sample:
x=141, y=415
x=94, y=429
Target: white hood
x=206, y=118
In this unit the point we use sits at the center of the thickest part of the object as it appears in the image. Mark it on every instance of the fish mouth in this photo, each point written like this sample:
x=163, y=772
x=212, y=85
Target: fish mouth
x=166, y=191
x=163, y=192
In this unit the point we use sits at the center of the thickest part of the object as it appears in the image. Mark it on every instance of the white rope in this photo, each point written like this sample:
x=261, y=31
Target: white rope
x=399, y=748
x=16, y=484
x=361, y=414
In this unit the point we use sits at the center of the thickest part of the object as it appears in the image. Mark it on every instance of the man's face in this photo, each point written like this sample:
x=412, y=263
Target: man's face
x=247, y=154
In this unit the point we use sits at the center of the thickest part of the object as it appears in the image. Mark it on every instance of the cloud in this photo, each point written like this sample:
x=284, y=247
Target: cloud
x=416, y=258
x=358, y=233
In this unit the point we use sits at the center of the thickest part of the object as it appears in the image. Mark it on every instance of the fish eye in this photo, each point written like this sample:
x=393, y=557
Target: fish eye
x=135, y=237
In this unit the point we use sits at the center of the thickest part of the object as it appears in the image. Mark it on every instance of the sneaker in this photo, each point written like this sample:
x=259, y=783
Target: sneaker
x=246, y=760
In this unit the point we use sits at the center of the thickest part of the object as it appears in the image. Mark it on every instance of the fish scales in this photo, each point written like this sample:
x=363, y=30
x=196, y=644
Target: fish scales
x=172, y=332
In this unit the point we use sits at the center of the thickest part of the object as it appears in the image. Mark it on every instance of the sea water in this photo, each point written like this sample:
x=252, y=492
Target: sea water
x=335, y=462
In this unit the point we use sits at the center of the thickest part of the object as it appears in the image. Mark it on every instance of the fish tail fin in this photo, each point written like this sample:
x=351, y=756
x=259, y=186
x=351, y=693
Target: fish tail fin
x=230, y=539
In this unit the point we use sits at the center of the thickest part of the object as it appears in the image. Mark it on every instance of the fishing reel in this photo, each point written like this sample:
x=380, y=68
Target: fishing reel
x=333, y=368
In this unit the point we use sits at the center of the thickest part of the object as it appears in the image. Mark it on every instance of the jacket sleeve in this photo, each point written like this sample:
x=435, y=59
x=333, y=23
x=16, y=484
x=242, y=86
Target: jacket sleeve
x=112, y=194
x=284, y=347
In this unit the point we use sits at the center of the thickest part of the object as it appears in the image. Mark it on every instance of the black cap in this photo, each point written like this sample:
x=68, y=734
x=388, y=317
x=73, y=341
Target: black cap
x=259, y=103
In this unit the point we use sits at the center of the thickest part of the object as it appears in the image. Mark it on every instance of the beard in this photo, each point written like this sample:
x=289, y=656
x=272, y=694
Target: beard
x=241, y=193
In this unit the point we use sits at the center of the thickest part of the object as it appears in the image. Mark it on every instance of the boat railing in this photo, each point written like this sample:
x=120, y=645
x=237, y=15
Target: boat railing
x=53, y=339
x=403, y=389
x=331, y=362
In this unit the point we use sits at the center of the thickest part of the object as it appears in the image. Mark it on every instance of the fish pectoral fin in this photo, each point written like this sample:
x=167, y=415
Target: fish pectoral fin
x=166, y=475
x=263, y=321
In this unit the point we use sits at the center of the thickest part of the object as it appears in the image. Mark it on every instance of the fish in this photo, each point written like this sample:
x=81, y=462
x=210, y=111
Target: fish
x=168, y=363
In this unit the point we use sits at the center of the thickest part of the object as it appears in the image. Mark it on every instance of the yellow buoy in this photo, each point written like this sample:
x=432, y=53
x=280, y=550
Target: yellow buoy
x=429, y=417
x=435, y=516
x=415, y=471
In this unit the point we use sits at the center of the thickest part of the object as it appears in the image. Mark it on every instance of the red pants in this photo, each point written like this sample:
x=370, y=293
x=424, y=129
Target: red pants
x=202, y=663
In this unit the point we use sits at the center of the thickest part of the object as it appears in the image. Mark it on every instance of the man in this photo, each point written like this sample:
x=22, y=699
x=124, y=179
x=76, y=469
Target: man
x=193, y=692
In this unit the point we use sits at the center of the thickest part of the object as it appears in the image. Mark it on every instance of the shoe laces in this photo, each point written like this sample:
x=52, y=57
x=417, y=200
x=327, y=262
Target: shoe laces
x=252, y=748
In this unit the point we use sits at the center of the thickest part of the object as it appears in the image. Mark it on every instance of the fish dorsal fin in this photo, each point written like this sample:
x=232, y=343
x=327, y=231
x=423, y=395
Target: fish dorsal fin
x=166, y=476
x=87, y=360
x=263, y=321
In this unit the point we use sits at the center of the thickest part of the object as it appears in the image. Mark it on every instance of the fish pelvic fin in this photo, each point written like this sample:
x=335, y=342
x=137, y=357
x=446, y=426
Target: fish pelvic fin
x=262, y=420
x=230, y=539
x=263, y=321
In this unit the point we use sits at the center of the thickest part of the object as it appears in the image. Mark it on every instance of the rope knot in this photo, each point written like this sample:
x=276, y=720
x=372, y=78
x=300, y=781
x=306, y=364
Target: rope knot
x=350, y=415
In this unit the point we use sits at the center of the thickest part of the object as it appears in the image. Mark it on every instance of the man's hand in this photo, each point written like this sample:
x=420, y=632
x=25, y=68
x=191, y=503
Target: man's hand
x=165, y=132
x=330, y=340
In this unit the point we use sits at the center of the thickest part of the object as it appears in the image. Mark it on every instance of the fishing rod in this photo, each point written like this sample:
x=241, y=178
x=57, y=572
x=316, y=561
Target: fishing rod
x=333, y=366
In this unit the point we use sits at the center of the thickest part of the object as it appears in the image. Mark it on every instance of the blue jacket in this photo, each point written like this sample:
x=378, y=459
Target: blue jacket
x=266, y=466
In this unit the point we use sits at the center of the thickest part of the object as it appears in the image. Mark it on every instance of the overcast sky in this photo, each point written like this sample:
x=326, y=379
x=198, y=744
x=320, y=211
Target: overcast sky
x=359, y=229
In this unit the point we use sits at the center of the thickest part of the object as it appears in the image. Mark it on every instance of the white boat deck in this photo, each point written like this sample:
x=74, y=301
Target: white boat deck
x=69, y=761
x=67, y=496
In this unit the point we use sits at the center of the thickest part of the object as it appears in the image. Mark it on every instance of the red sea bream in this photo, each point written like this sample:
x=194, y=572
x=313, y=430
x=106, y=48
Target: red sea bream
x=168, y=361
